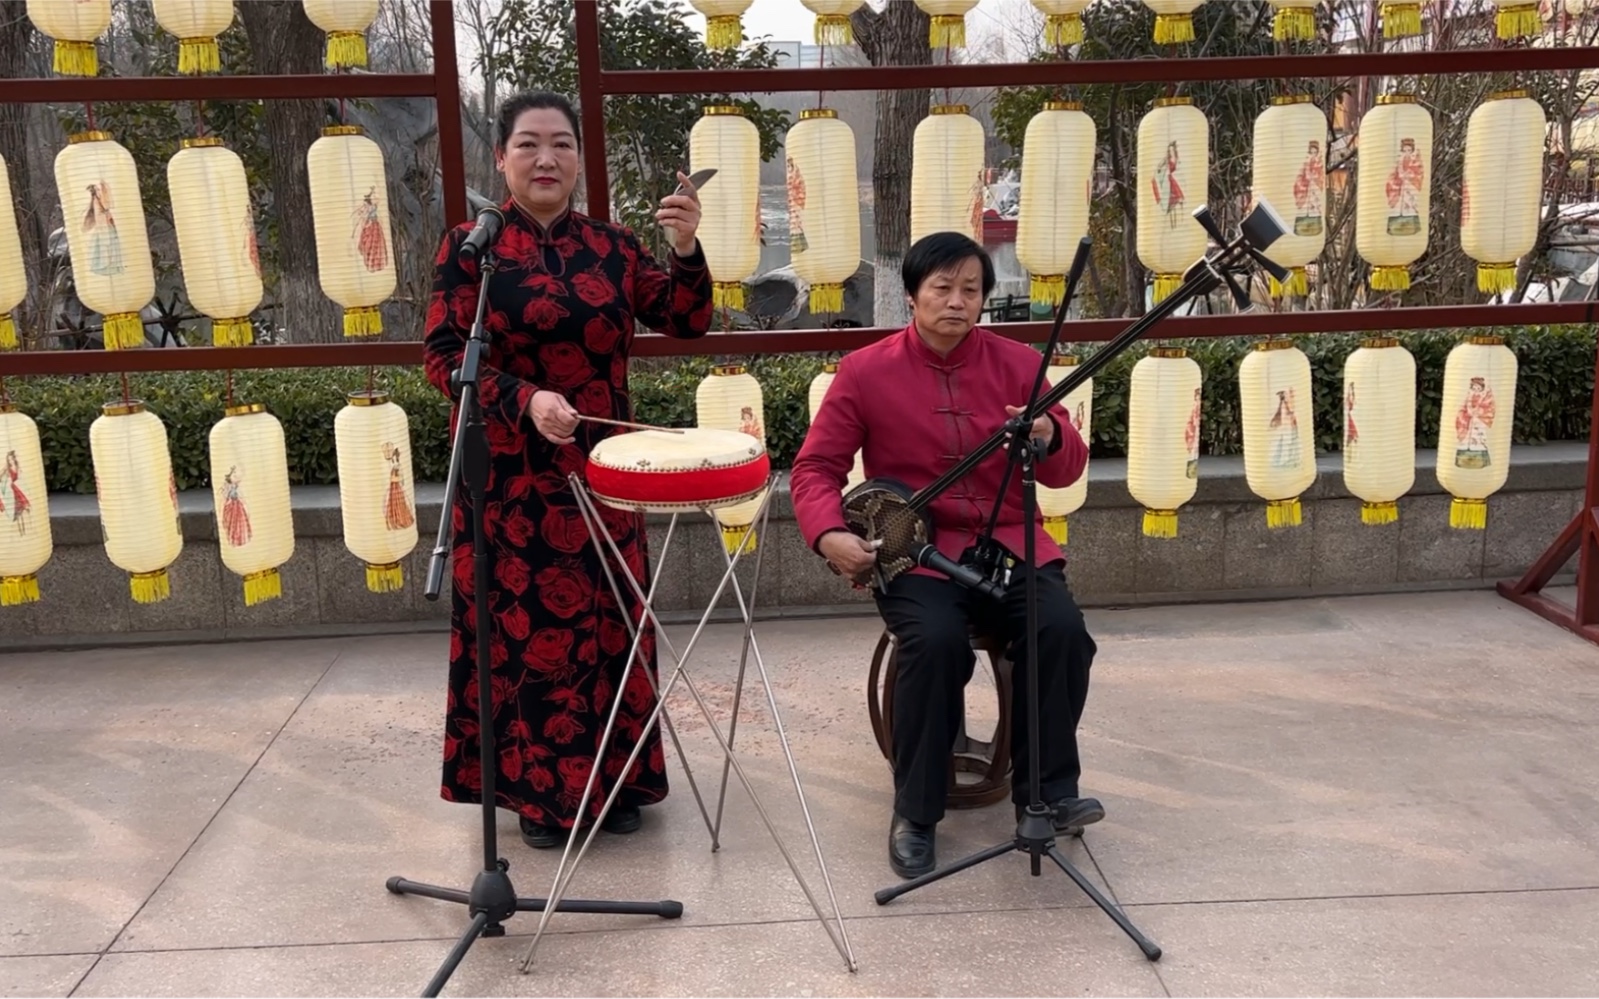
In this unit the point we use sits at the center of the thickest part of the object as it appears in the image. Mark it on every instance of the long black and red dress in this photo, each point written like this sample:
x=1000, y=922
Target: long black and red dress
x=561, y=312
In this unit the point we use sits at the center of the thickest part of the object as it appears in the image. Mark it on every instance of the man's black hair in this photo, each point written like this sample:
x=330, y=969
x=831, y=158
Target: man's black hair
x=529, y=101
x=944, y=251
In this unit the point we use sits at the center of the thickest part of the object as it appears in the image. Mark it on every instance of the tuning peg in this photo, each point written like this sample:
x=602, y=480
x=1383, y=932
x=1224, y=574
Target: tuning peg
x=1240, y=294
x=1262, y=226
x=1271, y=266
x=1207, y=221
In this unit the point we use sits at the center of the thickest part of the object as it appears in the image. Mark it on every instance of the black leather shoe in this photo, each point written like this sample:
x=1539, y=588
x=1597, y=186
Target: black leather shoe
x=540, y=837
x=910, y=847
x=623, y=819
x=1070, y=815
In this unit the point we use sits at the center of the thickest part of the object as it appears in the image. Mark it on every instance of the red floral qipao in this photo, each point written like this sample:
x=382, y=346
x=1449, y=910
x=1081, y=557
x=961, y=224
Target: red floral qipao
x=561, y=312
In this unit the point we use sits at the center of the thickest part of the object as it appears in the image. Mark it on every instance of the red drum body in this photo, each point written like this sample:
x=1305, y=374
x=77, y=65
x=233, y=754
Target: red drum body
x=656, y=471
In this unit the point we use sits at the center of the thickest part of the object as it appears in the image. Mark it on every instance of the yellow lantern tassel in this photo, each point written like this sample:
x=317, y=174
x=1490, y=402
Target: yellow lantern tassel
x=1298, y=284
x=947, y=30
x=150, y=587
x=1171, y=29
x=260, y=587
x=385, y=578
x=1379, y=513
x=733, y=537
x=1166, y=285
x=198, y=55
x=1468, y=514
x=1055, y=527
x=232, y=332
x=1063, y=29
x=345, y=48
x=827, y=298
x=8, y=332
x=1160, y=523
x=15, y=590
x=725, y=31
x=1390, y=278
x=1400, y=20
x=1496, y=279
x=728, y=295
x=123, y=330
x=1283, y=513
x=1050, y=288
x=834, y=29
x=76, y=58
x=364, y=320
x=1294, y=24
x=1521, y=20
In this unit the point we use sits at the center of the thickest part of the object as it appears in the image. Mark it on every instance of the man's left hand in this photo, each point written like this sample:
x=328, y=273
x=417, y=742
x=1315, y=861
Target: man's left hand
x=680, y=216
x=1043, y=426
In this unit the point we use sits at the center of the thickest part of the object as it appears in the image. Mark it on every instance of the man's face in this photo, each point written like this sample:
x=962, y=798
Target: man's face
x=949, y=302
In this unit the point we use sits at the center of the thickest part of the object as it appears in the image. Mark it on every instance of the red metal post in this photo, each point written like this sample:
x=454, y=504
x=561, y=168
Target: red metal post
x=447, y=95
x=591, y=104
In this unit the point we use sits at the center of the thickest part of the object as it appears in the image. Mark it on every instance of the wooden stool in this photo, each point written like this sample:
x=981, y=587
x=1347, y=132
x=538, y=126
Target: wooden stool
x=990, y=761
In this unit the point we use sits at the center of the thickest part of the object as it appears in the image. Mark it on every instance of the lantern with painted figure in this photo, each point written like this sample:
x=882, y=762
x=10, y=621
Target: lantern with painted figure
x=1058, y=504
x=138, y=497
x=112, y=271
x=1290, y=168
x=1501, y=198
x=832, y=20
x=947, y=156
x=730, y=210
x=13, y=275
x=1279, y=442
x=216, y=237
x=948, y=26
x=1475, y=421
x=377, y=488
x=250, y=487
x=1057, y=168
x=724, y=22
x=1173, y=172
x=196, y=24
x=74, y=26
x=824, y=205
x=25, y=538
x=1063, y=21
x=1163, y=413
x=1379, y=452
x=350, y=212
x=730, y=398
x=1394, y=195
x=346, y=23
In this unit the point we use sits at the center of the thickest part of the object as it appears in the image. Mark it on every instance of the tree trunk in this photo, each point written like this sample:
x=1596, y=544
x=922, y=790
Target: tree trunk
x=894, y=36
x=283, y=40
x=31, y=203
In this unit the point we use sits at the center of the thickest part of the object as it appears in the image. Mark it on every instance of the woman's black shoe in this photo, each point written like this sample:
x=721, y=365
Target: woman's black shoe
x=540, y=837
x=623, y=819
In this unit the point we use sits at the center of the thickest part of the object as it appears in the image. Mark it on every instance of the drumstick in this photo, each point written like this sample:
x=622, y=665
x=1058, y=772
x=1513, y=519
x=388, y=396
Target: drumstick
x=635, y=426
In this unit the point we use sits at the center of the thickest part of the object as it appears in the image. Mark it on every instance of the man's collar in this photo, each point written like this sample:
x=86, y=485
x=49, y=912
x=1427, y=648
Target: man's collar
x=960, y=355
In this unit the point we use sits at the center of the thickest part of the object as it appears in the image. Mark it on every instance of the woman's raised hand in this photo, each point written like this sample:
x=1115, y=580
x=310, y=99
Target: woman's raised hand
x=680, y=215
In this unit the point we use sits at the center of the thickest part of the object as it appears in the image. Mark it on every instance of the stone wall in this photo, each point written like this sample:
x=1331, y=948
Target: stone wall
x=1223, y=551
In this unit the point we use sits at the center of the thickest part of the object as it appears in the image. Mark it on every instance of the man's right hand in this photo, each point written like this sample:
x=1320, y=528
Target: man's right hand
x=852, y=556
x=552, y=416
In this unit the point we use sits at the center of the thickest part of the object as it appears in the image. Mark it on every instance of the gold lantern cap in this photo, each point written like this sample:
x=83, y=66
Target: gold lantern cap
x=728, y=369
x=1274, y=345
x=368, y=397
x=1380, y=341
x=1282, y=99
x=245, y=409
x=810, y=113
x=343, y=130
x=200, y=142
x=1063, y=361
x=93, y=135
x=7, y=407
x=1396, y=98
x=1173, y=102
x=1486, y=340
x=949, y=109
x=1519, y=93
x=830, y=367
x=128, y=408
x=1168, y=352
x=1063, y=105
x=728, y=109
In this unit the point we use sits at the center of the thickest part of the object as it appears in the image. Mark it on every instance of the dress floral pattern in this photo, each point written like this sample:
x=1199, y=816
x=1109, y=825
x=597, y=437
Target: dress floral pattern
x=561, y=317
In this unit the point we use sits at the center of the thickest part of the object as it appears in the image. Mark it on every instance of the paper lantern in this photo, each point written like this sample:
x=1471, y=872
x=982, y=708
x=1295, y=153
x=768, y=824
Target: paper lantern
x=1379, y=427
x=1057, y=168
x=730, y=202
x=196, y=23
x=250, y=486
x=824, y=205
x=1401, y=19
x=1474, y=427
x=730, y=398
x=1063, y=21
x=947, y=155
x=138, y=497
x=819, y=386
x=25, y=544
x=1174, y=20
x=1294, y=20
x=948, y=27
x=1395, y=189
x=724, y=22
x=104, y=218
x=1501, y=198
x=1163, y=436
x=1279, y=442
x=377, y=487
x=216, y=237
x=13, y=275
x=350, y=211
x=1173, y=172
x=832, y=20
x=74, y=25
x=1290, y=168
x=345, y=22
x=1518, y=19
x=1058, y=504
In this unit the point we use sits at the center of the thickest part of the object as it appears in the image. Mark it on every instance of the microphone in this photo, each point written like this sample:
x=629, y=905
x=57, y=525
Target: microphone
x=930, y=557
x=487, y=230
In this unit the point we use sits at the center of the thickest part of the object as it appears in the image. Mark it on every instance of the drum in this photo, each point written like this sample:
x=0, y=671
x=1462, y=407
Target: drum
x=656, y=471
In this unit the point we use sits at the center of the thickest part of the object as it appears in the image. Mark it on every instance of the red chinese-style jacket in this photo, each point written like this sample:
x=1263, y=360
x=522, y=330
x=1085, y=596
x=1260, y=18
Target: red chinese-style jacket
x=915, y=414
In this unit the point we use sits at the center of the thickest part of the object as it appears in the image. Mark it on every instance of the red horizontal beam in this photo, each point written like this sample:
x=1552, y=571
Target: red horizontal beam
x=302, y=86
x=1033, y=74
x=409, y=352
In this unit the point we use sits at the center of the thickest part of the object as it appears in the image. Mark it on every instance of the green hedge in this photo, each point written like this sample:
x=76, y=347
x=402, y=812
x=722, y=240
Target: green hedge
x=1552, y=401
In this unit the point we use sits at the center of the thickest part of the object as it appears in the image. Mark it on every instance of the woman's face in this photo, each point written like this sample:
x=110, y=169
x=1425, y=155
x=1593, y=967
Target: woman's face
x=540, y=160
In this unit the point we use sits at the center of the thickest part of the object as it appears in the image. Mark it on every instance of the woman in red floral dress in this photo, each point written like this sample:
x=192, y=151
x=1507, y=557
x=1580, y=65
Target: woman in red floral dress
x=561, y=314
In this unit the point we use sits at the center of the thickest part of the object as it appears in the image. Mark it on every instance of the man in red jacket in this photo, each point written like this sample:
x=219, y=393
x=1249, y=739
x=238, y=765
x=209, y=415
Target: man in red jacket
x=915, y=404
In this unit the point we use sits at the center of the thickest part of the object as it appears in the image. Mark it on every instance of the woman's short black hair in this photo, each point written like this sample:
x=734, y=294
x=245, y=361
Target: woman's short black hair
x=512, y=109
x=944, y=251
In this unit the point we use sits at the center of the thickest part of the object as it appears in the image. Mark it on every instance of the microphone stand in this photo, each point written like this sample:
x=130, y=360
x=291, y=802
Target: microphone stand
x=492, y=899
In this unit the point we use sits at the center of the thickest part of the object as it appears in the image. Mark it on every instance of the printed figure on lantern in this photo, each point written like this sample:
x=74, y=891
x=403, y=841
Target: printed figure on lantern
x=1079, y=416
x=19, y=499
x=1404, y=191
x=252, y=248
x=235, y=518
x=1168, y=193
x=1310, y=188
x=396, y=511
x=1285, y=431
x=796, y=207
x=105, y=246
x=1191, y=439
x=1472, y=423
x=1351, y=431
x=369, y=238
x=747, y=423
x=975, y=208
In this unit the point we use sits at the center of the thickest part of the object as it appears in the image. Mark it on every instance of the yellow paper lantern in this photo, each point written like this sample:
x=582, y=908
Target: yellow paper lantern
x=350, y=211
x=724, y=22
x=345, y=22
x=138, y=497
x=1474, y=427
x=948, y=27
x=1173, y=171
x=730, y=202
x=1279, y=441
x=824, y=205
x=377, y=487
x=1057, y=168
x=1163, y=411
x=819, y=386
x=1063, y=21
x=74, y=25
x=196, y=23
x=1294, y=20
x=25, y=544
x=1517, y=19
x=1501, y=198
x=1290, y=169
x=1395, y=189
x=216, y=237
x=250, y=486
x=1400, y=18
x=1379, y=450
x=104, y=218
x=730, y=398
x=13, y=275
x=1174, y=20
x=832, y=20
x=1058, y=504
x=947, y=156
